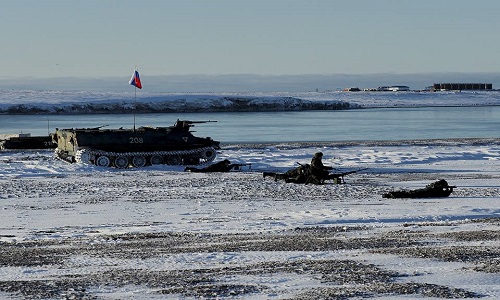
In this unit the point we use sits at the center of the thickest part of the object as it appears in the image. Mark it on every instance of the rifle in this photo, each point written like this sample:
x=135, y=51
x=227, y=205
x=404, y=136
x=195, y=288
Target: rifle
x=308, y=165
x=302, y=165
x=339, y=177
x=237, y=167
x=99, y=127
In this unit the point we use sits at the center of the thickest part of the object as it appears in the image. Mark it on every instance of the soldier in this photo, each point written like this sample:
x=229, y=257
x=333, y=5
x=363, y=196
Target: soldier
x=292, y=173
x=319, y=172
x=222, y=166
x=317, y=165
x=315, y=172
x=300, y=174
x=296, y=175
x=436, y=189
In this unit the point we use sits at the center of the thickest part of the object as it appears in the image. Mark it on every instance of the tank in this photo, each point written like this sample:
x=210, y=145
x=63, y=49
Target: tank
x=26, y=141
x=144, y=146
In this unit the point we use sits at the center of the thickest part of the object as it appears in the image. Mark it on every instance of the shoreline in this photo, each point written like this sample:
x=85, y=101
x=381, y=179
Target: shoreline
x=36, y=110
x=80, y=102
x=368, y=143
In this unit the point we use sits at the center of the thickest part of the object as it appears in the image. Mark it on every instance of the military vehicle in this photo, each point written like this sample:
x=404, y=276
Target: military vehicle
x=123, y=148
x=26, y=141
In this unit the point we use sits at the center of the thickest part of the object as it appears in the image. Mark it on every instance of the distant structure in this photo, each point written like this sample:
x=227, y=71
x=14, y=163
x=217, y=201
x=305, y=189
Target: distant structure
x=352, y=89
x=394, y=88
x=462, y=86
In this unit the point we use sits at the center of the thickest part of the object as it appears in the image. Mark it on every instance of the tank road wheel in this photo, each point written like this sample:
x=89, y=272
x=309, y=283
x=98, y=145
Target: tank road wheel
x=83, y=156
x=121, y=162
x=139, y=161
x=208, y=154
x=103, y=161
x=192, y=160
x=174, y=160
x=156, y=160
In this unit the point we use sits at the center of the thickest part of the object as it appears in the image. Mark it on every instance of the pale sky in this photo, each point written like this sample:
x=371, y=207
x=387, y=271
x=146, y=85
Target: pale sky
x=100, y=38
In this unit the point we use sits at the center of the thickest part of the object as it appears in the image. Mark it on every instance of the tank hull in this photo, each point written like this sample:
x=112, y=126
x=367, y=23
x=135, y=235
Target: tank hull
x=123, y=148
x=30, y=142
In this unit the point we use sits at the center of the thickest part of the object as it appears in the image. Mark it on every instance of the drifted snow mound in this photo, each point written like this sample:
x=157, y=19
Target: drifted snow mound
x=47, y=102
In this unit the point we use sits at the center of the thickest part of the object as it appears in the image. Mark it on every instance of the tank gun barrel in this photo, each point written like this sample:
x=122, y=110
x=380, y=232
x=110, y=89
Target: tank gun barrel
x=187, y=123
x=195, y=122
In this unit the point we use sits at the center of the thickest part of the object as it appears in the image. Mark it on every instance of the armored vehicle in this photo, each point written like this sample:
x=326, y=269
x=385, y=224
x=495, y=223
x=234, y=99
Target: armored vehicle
x=123, y=148
x=26, y=141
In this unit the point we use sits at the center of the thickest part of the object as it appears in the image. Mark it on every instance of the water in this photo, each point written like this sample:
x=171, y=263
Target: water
x=303, y=126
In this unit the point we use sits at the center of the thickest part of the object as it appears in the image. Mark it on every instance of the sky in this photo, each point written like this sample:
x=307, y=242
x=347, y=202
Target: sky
x=109, y=38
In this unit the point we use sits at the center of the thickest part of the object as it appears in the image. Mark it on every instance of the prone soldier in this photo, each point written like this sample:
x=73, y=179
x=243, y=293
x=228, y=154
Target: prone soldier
x=221, y=166
x=436, y=189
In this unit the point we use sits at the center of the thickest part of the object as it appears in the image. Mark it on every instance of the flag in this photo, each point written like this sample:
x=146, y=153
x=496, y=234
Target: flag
x=136, y=80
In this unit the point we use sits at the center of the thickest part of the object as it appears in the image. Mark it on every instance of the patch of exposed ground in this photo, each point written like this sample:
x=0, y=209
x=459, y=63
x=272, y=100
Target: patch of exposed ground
x=335, y=278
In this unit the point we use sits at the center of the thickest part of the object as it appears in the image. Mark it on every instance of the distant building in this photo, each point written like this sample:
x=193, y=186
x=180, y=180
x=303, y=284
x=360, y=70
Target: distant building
x=398, y=88
x=394, y=88
x=352, y=89
x=462, y=86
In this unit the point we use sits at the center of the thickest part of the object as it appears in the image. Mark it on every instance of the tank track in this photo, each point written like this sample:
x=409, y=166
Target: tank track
x=193, y=157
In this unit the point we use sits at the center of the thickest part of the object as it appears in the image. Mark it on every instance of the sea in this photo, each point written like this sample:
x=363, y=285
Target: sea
x=369, y=124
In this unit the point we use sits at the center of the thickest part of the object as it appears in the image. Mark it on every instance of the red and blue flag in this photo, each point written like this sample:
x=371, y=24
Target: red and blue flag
x=136, y=80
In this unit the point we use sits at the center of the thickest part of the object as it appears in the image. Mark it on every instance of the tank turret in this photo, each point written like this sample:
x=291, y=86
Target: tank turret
x=137, y=147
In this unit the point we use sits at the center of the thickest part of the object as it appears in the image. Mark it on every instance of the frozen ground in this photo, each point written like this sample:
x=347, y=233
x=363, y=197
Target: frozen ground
x=83, y=232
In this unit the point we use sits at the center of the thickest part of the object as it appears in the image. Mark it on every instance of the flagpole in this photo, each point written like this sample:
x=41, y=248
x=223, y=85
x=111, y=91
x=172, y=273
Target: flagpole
x=136, y=82
x=135, y=97
x=135, y=104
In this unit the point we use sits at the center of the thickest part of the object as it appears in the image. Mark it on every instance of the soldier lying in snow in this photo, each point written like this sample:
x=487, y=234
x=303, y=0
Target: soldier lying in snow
x=221, y=166
x=436, y=189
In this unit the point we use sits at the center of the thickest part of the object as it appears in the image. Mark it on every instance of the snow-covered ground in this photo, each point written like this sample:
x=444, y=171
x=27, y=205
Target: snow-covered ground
x=79, y=231
x=74, y=102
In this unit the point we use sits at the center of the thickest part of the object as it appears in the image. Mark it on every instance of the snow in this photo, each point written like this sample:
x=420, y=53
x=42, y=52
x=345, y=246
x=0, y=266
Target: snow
x=69, y=102
x=120, y=231
x=42, y=198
